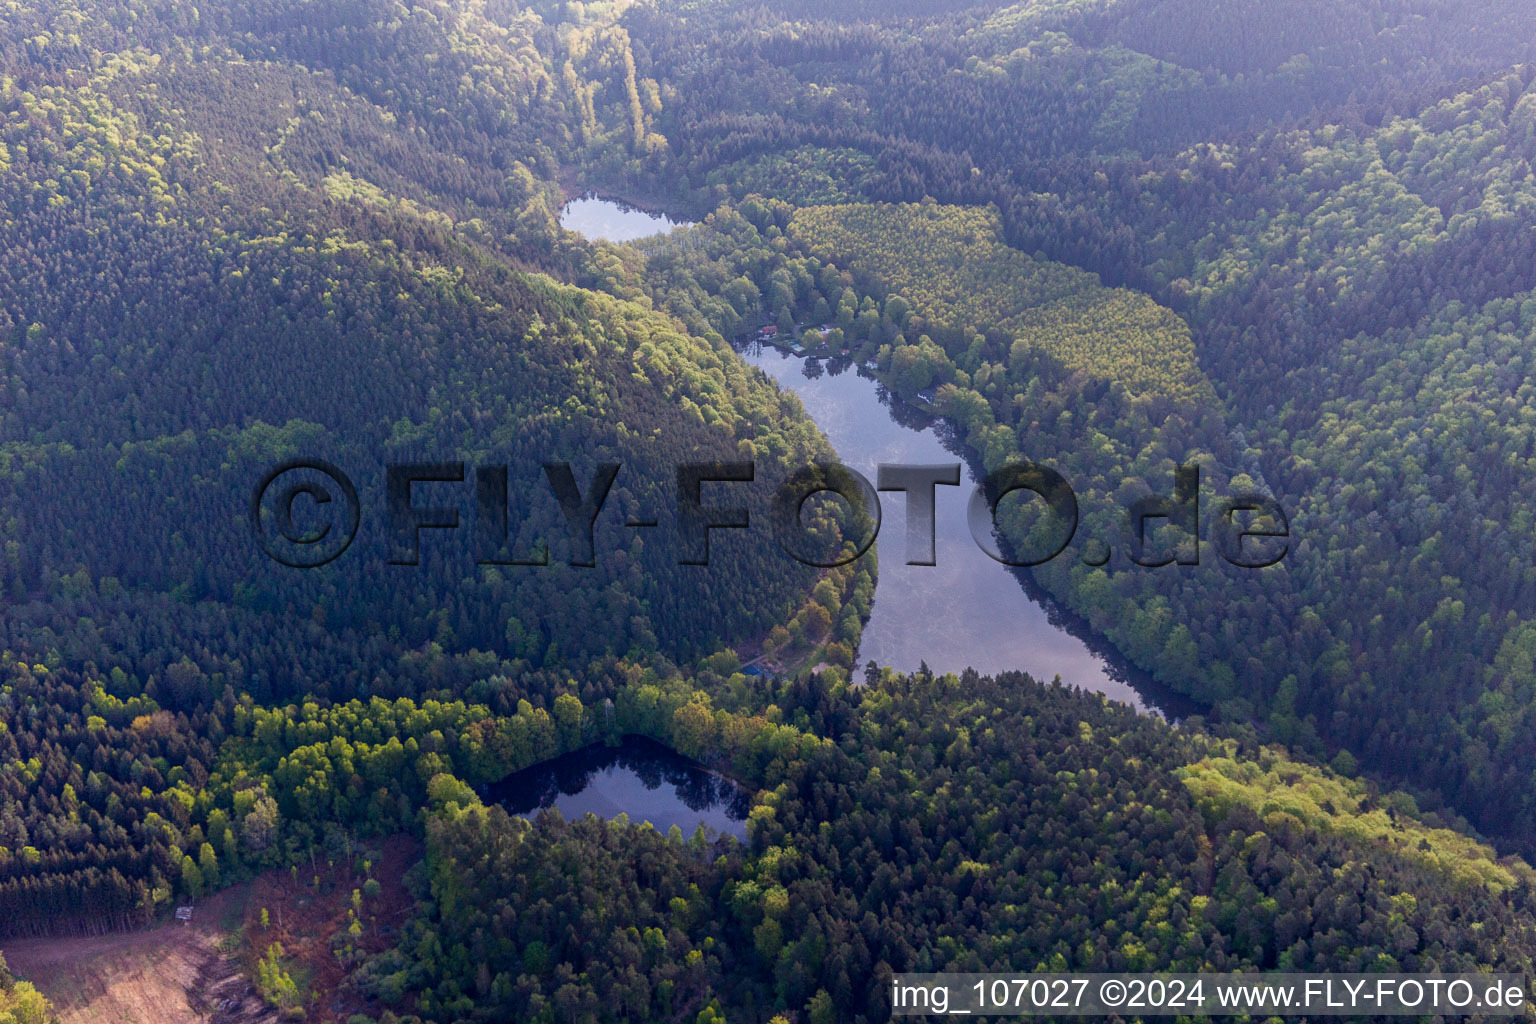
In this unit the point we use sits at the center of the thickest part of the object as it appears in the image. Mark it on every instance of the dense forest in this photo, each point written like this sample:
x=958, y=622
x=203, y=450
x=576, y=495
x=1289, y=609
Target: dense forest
x=1287, y=242
x=1347, y=244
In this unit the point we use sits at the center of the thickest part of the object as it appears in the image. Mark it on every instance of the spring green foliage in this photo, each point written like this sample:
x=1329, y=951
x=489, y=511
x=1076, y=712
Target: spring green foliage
x=1336, y=198
x=21, y=1003
x=976, y=876
x=293, y=255
x=277, y=986
x=1288, y=794
x=946, y=260
x=1009, y=399
x=239, y=234
x=385, y=310
x=951, y=264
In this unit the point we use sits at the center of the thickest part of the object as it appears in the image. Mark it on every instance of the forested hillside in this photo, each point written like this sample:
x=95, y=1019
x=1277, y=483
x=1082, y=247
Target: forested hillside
x=1288, y=241
x=1104, y=380
x=1035, y=811
x=202, y=280
x=332, y=320
x=1346, y=236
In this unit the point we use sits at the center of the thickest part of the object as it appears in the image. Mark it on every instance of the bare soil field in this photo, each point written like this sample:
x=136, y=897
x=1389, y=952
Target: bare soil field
x=199, y=973
x=172, y=974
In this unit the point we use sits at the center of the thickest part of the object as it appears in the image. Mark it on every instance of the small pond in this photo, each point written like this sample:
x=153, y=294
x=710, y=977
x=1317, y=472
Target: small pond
x=612, y=221
x=639, y=777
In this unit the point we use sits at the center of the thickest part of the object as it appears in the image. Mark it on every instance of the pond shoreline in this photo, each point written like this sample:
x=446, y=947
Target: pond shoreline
x=631, y=778
x=600, y=217
x=1061, y=636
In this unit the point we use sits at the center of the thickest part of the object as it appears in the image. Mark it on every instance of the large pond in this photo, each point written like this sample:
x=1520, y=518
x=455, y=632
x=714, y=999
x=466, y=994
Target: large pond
x=640, y=778
x=612, y=221
x=967, y=610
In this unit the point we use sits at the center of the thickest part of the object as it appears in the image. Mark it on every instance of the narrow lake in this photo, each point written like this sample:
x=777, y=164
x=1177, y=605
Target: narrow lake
x=611, y=221
x=968, y=610
x=640, y=778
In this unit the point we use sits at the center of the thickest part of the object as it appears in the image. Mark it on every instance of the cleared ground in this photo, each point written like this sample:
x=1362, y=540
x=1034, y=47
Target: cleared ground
x=199, y=973
x=173, y=974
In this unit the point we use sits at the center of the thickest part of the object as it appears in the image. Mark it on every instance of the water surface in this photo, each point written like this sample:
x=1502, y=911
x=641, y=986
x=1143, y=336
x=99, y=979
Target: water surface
x=640, y=778
x=968, y=610
x=612, y=221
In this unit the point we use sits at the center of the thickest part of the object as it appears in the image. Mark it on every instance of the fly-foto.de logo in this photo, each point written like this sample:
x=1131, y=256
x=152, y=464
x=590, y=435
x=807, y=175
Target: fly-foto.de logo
x=305, y=513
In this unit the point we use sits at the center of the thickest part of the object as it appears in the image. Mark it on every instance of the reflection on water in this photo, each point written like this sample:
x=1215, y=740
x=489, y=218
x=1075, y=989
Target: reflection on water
x=968, y=610
x=640, y=778
x=612, y=221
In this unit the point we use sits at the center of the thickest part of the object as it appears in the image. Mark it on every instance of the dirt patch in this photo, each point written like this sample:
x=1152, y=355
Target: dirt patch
x=310, y=913
x=172, y=974
x=200, y=973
